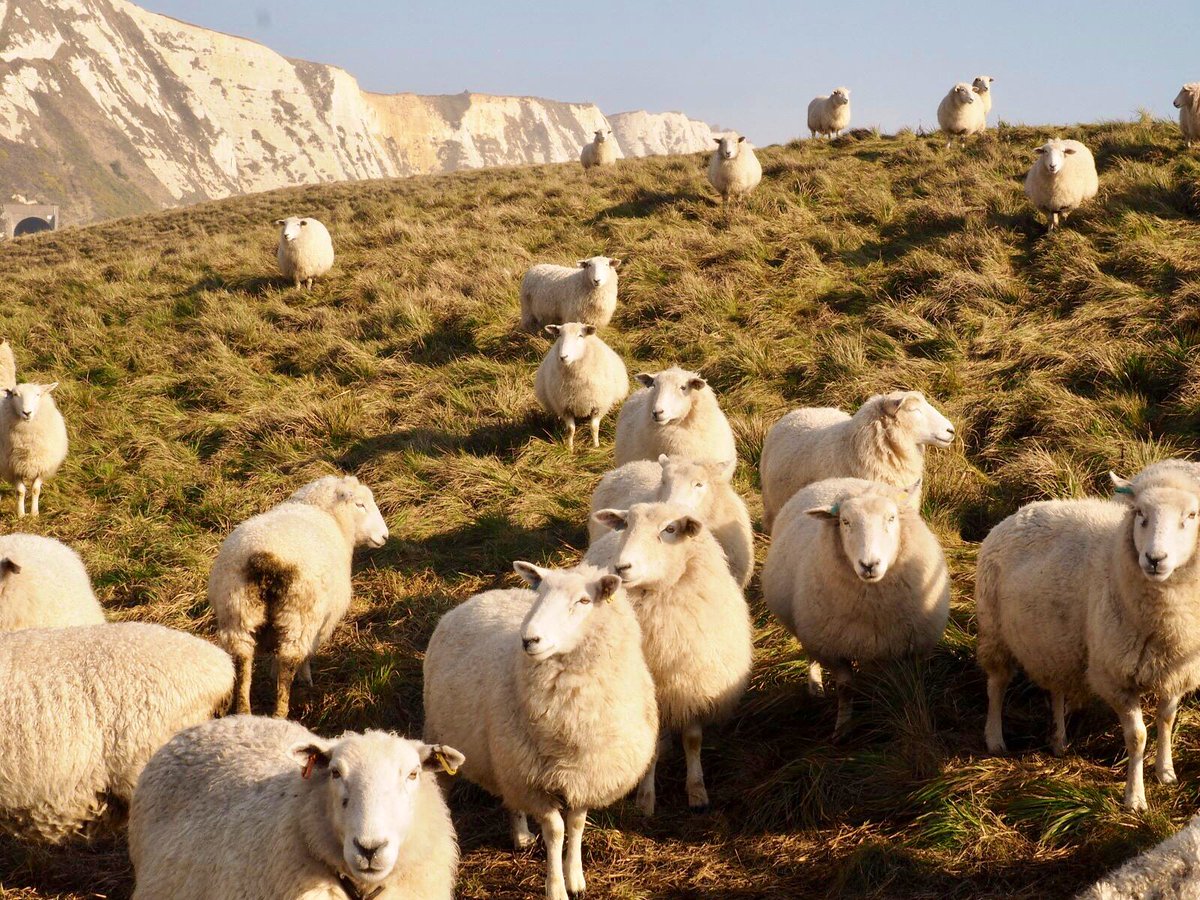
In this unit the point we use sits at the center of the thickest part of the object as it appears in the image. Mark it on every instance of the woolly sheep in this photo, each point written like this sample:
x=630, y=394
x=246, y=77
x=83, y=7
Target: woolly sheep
x=733, y=169
x=8, y=366
x=547, y=694
x=1062, y=177
x=1187, y=101
x=830, y=114
x=982, y=85
x=580, y=378
x=254, y=807
x=961, y=113
x=675, y=412
x=702, y=487
x=555, y=295
x=602, y=151
x=43, y=584
x=1167, y=871
x=884, y=440
x=282, y=579
x=856, y=575
x=305, y=250
x=696, y=631
x=33, y=440
x=85, y=708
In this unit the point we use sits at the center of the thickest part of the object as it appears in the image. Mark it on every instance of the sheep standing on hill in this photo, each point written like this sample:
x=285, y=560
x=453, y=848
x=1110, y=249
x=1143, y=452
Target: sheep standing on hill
x=1187, y=101
x=702, y=487
x=696, y=631
x=733, y=169
x=305, y=250
x=1062, y=177
x=43, y=584
x=8, y=366
x=258, y=808
x=830, y=115
x=982, y=85
x=856, y=575
x=884, y=441
x=602, y=151
x=961, y=113
x=676, y=413
x=555, y=295
x=547, y=694
x=33, y=440
x=282, y=579
x=85, y=708
x=580, y=378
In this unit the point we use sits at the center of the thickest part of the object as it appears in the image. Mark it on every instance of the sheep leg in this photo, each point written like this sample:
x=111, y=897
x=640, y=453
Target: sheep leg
x=1053, y=221
x=595, y=423
x=1058, y=709
x=552, y=836
x=994, y=730
x=645, y=794
x=692, y=742
x=1130, y=714
x=241, y=691
x=1164, y=764
x=305, y=673
x=569, y=421
x=297, y=282
x=37, y=497
x=816, y=679
x=308, y=285
x=518, y=826
x=576, y=820
x=288, y=664
x=20, y=499
x=843, y=675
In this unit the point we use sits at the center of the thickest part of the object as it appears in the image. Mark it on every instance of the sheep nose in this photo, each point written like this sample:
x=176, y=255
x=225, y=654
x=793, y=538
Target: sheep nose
x=530, y=643
x=1154, y=559
x=369, y=849
x=868, y=566
x=658, y=415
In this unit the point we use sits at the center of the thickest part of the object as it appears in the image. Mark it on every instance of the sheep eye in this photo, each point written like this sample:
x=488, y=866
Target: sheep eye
x=670, y=529
x=585, y=599
x=361, y=505
x=845, y=522
x=345, y=802
x=335, y=774
x=413, y=775
x=891, y=519
x=700, y=484
x=1191, y=515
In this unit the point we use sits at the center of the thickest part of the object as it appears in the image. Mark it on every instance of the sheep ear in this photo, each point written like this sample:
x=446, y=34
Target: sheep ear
x=49, y=387
x=613, y=519
x=614, y=263
x=303, y=222
x=607, y=586
x=829, y=513
x=553, y=330
x=891, y=405
x=741, y=138
x=582, y=264
x=1122, y=486
x=663, y=459
x=588, y=330
x=697, y=383
x=279, y=222
x=9, y=567
x=440, y=758
x=645, y=378
x=1039, y=150
x=718, y=140
x=688, y=526
x=310, y=756
x=723, y=468
x=532, y=575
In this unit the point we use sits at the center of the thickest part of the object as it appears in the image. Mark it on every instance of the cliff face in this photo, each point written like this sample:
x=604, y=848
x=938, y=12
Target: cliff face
x=108, y=109
x=655, y=134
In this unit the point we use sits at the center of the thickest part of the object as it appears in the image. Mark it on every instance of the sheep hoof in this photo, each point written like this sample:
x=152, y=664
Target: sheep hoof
x=997, y=749
x=700, y=809
x=524, y=842
x=1167, y=777
x=1058, y=749
x=816, y=689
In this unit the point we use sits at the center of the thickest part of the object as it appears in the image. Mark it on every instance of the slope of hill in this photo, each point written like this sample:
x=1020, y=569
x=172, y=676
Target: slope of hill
x=199, y=390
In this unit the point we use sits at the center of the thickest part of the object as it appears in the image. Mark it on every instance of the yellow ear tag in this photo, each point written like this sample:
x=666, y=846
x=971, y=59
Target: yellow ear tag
x=446, y=767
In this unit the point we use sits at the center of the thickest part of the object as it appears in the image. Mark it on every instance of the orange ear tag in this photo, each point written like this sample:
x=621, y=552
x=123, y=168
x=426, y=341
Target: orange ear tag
x=308, y=766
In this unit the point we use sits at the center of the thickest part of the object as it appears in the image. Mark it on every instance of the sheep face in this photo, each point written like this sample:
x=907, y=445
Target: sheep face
x=367, y=786
x=562, y=613
x=290, y=227
x=982, y=84
x=728, y=146
x=25, y=400
x=1053, y=155
x=602, y=135
x=869, y=530
x=689, y=483
x=650, y=550
x=963, y=93
x=917, y=416
x=369, y=527
x=672, y=393
x=572, y=340
x=1189, y=95
x=1165, y=524
x=840, y=96
x=599, y=269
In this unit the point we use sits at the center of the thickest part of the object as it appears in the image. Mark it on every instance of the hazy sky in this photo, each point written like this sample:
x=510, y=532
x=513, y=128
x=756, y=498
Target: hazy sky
x=743, y=65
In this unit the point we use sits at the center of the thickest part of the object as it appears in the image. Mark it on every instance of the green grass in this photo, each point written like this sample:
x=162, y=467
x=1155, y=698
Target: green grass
x=199, y=390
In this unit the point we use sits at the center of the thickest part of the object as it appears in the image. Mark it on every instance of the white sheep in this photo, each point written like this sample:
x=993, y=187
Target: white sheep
x=733, y=169
x=961, y=113
x=676, y=413
x=1062, y=177
x=856, y=575
x=884, y=440
x=282, y=579
x=581, y=377
x=1187, y=101
x=696, y=630
x=547, y=694
x=43, y=584
x=829, y=114
x=1167, y=871
x=8, y=366
x=982, y=85
x=85, y=708
x=602, y=151
x=701, y=486
x=305, y=250
x=33, y=440
x=254, y=807
x=554, y=295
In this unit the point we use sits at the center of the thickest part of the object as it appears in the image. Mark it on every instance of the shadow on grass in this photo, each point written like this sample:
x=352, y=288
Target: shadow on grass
x=645, y=203
x=255, y=285
x=498, y=439
x=452, y=339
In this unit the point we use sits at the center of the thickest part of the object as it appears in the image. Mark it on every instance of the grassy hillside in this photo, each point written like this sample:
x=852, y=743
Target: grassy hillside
x=199, y=391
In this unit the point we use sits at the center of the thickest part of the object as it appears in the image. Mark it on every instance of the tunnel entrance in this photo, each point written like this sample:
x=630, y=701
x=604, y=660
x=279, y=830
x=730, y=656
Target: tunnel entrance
x=32, y=225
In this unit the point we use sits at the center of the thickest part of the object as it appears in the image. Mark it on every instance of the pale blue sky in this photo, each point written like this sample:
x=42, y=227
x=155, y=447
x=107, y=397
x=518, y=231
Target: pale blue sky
x=745, y=65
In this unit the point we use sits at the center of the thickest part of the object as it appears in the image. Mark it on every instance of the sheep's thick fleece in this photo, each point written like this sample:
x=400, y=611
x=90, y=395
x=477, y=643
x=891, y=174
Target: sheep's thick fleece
x=43, y=584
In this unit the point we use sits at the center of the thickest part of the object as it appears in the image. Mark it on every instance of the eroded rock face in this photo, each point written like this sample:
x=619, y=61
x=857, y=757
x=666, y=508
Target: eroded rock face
x=642, y=133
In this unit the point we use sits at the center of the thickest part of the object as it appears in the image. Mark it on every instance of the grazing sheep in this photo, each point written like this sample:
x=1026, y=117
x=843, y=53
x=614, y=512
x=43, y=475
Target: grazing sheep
x=580, y=378
x=1167, y=871
x=884, y=441
x=1062, y=177
x=830, y=115
x=547, y=694
x=282, y=579
x=43, y=584
x=982, y=85
x=702, y=487
x=8, y=366
x=961, y=113
x=1187, y=101
x=675, y=413
x=856, y=575
x=555, y=295
x=733, y=169
x=305, y=250
x=33, y=440
x=696, y=631
x=602, y=151
x=85, y=708
x=258, y=808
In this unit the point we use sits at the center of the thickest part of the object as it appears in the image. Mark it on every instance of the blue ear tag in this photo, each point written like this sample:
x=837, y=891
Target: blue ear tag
x=1124, y=489
x=835, y=509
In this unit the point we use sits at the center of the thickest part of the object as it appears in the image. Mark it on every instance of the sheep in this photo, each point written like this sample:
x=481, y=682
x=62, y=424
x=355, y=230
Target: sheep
x=555, y=295
x=8, y=366
x=1167, y=870
x=703, y=487
x=548, y=695
x=33, y=440
x=84, y=708
x=884, y=440
x=675, y=412
x=255, y=807
x=305, y=250
x=856, y=575
x=282, y=579
x=961, y=113
x=830, y=115
x=602, y=151
x=1187, y=101
x=982, y=85
x=1061, y=178
x=580, y=377
x=696, y=630
x=733, y=169
x=43, y=584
